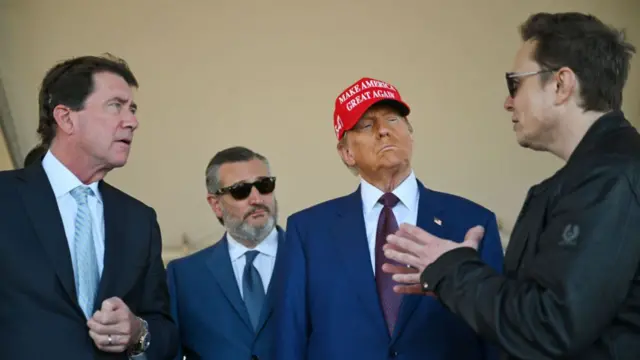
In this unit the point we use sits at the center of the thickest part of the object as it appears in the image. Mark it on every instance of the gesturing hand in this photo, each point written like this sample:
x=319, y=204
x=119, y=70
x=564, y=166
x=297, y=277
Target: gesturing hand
x=417, y=248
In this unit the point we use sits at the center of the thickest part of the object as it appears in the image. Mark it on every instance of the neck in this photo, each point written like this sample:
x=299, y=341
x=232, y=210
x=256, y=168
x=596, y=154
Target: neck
x=387, y=179
x=79, y=164
x=571, y=131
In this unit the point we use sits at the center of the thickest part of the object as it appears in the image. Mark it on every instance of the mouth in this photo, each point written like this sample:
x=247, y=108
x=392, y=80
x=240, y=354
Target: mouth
x=257, y=214
x=125, y=141
x=387, y=147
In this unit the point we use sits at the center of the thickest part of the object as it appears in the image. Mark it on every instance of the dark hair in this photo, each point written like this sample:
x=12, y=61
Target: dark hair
x=229, y=155
x=598, y=54
x=35, y=154
x=70, y=83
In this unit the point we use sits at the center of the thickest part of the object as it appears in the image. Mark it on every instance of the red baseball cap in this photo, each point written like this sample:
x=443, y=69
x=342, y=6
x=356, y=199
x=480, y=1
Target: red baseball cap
x=353, y=102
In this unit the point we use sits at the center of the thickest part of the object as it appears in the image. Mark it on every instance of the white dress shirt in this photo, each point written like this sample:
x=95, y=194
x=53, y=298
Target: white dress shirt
x=406, y=211
x=62, y=182
x=264, y=261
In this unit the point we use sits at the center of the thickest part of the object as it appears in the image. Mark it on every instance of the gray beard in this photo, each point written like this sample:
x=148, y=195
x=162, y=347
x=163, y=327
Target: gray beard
x=239, y=229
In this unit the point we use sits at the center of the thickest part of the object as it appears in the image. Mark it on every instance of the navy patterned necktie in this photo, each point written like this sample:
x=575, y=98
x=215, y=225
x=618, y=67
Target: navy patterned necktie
x=252, y=288
x=387, y=224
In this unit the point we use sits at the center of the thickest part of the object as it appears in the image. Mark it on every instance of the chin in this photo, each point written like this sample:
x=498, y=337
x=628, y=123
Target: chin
x=117, y=163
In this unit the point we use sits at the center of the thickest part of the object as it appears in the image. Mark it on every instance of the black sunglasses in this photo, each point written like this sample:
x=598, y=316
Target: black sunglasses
x=242, y=190
x=513, y=79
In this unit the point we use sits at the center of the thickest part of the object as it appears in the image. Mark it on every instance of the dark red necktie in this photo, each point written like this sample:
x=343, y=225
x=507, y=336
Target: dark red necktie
x=387, y=224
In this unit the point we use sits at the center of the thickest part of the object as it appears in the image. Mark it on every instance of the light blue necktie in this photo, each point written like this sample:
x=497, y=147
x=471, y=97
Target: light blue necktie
x=252, y=288
x=85, y=262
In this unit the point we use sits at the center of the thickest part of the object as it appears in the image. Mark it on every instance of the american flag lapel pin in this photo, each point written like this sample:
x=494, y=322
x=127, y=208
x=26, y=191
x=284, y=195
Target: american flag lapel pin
x=437, y=221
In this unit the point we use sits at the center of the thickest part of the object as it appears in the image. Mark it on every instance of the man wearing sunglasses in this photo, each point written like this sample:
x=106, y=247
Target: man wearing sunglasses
x=335, y=302
x=220, y=296
x=571, y=288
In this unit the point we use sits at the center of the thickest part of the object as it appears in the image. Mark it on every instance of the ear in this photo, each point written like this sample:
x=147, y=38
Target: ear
x=345, y=153
x=214, y=203
x=410, y=127
x=63, y=116
x=566, y=84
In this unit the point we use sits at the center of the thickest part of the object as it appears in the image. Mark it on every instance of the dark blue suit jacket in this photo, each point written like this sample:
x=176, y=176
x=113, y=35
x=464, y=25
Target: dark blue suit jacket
x=212, y=319
x=39, y=313
x=328, y=307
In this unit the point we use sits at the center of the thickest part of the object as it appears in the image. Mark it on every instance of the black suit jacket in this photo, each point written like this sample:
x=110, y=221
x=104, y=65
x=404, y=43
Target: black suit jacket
x=39, y=314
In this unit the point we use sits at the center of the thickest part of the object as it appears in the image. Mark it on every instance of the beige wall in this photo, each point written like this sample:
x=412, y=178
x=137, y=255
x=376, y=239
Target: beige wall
x=5, y=158
x=265, y=75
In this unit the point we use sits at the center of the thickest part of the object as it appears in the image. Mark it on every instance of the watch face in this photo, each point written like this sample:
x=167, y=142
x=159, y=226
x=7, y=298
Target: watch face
x=146, y=341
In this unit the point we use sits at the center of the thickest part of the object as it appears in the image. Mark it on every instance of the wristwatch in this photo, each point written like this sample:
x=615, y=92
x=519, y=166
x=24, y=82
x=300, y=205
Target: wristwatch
x=143, y=342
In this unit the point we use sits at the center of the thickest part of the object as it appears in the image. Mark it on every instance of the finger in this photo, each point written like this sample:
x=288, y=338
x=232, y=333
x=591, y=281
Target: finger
x=101, y=329
x=106, y=317
x=407, y=278
x=112, y=304
x=412, y=290
x=397, y=269
x=403, y=258
x=474, y=236
x=415, y=233
x=403, y=244
x=118, y=343
x=408, y=289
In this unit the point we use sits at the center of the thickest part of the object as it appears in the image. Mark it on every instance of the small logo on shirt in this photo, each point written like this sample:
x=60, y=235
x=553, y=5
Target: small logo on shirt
x=437, y=221
x=570, y=235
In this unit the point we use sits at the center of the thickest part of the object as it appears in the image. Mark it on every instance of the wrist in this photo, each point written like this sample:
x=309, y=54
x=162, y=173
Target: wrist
x=143, y=339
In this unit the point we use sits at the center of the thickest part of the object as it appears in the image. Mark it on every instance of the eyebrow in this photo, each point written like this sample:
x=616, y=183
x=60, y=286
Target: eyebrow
x=123, y=101
x=384, y=113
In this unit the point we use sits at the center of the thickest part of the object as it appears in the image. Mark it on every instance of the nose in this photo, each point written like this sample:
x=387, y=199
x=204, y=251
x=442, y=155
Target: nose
x=508, y=103
x=130, y=120
x=382, y=128
x=255, y=197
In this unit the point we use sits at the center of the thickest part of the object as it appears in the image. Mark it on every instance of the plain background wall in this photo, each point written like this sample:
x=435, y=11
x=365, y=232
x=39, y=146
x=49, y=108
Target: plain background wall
x=5, y=159
x=265, y=75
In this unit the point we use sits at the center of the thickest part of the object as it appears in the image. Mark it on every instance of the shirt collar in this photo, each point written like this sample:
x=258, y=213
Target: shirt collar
x=407, y=193
x=268, y=246
x=62, y=179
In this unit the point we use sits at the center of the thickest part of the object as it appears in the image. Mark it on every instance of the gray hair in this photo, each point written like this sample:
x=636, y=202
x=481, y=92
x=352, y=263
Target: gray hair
x=229, y=155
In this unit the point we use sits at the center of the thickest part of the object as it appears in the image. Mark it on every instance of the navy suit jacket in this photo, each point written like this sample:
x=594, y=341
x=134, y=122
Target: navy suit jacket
x=39, y=313
x=212, y=319
x=327, y=306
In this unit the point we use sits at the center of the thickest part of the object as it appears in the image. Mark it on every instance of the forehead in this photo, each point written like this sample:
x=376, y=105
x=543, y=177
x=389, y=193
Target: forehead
x=107, y=85
x=524, y=60
x=231, y=173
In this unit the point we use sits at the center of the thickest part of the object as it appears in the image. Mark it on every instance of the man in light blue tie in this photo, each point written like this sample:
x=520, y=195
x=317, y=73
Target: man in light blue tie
x=220, y=296
x=82, y=272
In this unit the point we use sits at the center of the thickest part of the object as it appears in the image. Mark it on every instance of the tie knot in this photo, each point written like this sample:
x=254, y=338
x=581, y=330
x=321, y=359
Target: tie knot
x=251, y=255
x=389, y=200
x=81, y=193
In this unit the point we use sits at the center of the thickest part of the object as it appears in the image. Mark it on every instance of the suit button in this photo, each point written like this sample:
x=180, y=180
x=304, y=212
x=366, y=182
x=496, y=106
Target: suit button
x=255, y=357
x=393, y=354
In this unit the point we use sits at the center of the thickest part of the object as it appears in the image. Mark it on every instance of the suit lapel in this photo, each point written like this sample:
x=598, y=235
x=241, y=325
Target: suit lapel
x=115, y=243
x=42, y=207
x=350, y=239
x=220, y=265
x=267, y=308
x=429, y=211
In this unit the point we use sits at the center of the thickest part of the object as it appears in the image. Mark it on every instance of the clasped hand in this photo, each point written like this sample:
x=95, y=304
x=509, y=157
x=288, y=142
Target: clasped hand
x=114, y=328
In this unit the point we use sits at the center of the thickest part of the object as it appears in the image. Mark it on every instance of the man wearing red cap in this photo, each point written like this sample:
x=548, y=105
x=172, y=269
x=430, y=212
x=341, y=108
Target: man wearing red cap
x=336, y=301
